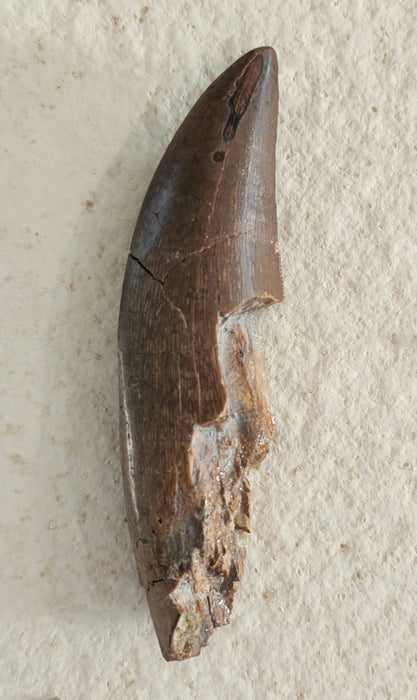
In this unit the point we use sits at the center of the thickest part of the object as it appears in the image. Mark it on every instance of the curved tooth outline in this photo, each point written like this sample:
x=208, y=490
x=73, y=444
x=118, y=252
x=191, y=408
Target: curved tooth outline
x=194, y=408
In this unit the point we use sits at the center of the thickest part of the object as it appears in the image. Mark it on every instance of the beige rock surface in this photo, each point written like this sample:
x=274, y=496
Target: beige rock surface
x=91, y=94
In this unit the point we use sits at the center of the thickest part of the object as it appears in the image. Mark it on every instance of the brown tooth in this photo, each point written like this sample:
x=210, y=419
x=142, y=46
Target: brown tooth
x=194, y=408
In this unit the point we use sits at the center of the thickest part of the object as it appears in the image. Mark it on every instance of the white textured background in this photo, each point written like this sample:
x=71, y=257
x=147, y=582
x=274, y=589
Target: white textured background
x=91, y=94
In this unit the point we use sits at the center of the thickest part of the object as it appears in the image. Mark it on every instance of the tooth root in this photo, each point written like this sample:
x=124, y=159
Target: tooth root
x=194, y=407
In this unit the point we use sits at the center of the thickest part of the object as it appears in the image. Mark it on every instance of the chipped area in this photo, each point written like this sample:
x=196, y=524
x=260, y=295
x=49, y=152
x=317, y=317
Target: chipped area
x=239, y=99
x=220, y=457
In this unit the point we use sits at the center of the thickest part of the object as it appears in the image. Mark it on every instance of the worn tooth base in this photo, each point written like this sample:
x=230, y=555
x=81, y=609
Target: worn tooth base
x=186, y=608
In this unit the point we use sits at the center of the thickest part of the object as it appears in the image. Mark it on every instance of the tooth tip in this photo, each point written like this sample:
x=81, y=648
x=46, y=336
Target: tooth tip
x=265, y=50
x=268, y=53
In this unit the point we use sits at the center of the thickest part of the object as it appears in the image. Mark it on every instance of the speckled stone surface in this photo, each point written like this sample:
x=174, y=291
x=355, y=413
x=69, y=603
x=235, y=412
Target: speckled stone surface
x=91, y=94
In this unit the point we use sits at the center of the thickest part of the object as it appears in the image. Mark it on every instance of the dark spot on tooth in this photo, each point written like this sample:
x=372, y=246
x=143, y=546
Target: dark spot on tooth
x=218, y=156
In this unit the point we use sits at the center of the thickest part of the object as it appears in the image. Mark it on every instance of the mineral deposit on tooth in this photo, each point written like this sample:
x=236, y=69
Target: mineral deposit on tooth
x=194, y=408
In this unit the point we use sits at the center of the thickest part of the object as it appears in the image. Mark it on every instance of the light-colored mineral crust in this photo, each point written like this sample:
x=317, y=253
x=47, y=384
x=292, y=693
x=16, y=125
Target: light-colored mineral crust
x=218, y=462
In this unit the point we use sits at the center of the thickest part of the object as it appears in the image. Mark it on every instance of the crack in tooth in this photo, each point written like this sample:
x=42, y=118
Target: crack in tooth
x=146, y=269
x=162, y=283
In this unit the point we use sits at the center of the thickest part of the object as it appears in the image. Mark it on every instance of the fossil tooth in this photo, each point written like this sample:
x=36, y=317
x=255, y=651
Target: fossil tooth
x=194, y=407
